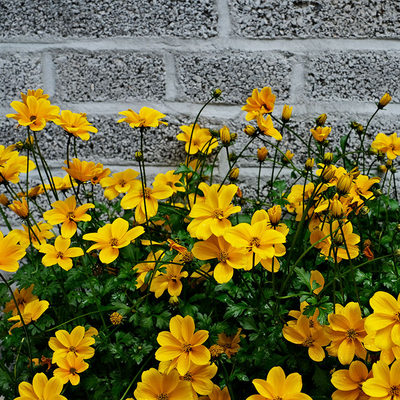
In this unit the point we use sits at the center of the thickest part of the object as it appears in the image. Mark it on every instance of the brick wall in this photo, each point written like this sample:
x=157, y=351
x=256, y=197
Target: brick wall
x=104, y=56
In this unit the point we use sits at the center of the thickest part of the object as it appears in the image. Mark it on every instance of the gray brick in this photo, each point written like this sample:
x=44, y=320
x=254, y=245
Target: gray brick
x=18, y=73
x=108, y=18
x=359, y=76
x=315, y=19
x=235, y=73
x=108, y=76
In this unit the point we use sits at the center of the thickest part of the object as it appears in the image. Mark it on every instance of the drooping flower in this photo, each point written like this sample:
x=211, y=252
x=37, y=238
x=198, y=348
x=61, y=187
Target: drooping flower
x=349, y=382
x=120, y=182
x=41, y=389
x=158, y=386
x=11, y=167
x=77, y=342
x=32, y=312
x=75, y=124
x=229, y=257
x=266, y=126
x=23, y=297
x=320, y=133
x=259, y=103
x=60, y=253
x=10, y=252
x=202, y=141
x=278, y=386
x=146, y=118
x=111, y=237
x=69, y=369
x=286, y=113
x=230, y=344
x=67, y=213
x=182, y=345
x=20, y=207
x=317, y=277
x=34, y=113
x=387, y=144
x=84, y=171
x=210, y=217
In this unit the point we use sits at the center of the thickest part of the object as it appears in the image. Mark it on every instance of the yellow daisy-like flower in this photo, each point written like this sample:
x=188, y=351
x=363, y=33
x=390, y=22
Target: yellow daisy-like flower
x=278, y=386
x=120, y=182
x=182, y=345
x=200, y=377
x=37, y=235
x=144, y=268
x=69, y=369
x=76, y=124
x=202, y=141
x=41, y=389
x=387, y=144
x=267, y=127
x=10, y=252
x=320, y=133
x=218, y=394
x=34, y=113
x=84, y=171
x=23, y=297
x=171, y=180
x=111, y=237
x=230, y=344
x=77, y=342
x=158, y=386
x=60, y=253
x=259, y=103
x=38, y=93
x=66, y=212
x=32, y=312
x=20, y=207
x=147, y=117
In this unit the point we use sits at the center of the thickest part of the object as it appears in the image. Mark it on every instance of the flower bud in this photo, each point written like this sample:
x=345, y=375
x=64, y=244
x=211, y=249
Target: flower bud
x=381, y=155
x=384, y=101
x=116, y=318
x=344, y=184
x=234, y=136
x=173, y=300
x=398, y=227
x=382, y=169
x=372, y=151
x=4, y=200
x=249, y=130
x=320, y=121
x=389, y=163
x=328, y=158
x=364, y=210
x=139, y=156
x=337, y=208
x=338, y=239
x=275, y=214
x=262, y=154
x=393, y=170
x=377, y=192
x=225, y=135
x=328, y=174
x=217, y=93
x=232, y=157
x=287, y=157
x=286, y=113
x=234, y=174
x=309, y=164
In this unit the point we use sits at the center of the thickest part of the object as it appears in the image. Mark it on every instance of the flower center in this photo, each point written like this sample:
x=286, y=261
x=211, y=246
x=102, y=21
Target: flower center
x=60, y=255
x=122, y=183
x=338, y=239
x=308, y=342
x=71, y=215
x=394, y=391
x=351, y=334
x=255, y=242
x=277, y=398
x=187, y=347
x=218, y=213
x=397, y=316
x=147, y=193
x=223, y=256
x=162, y=396
x=113, y=242
x=72, y=349
x=187, y=256
x=187, y=377
x=72, y=370
x=32, y=118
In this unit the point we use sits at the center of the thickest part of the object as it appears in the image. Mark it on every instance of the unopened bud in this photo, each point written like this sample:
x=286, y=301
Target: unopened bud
x=275, y=214
x=173, y=300
x=287, y=157
x=309, y=164
x=232, y=157
x=320, y=121
x=4, y=200
x=393, y=170
x=262, y=154
x=344, y=184
x=139, y=156
x=328, y=158
x=377, y=192
x=225, y=135
x=286, y=113
x=328, y=174
x=234, y=136
x=382, y=169
x=234, y=174
x=337, y=208
x=372, y=151
x=389, y=163
x=249, y=130
x=217, y=93
x=338, y=239
x=381, y=155
x=384, y=101
x=364, y=210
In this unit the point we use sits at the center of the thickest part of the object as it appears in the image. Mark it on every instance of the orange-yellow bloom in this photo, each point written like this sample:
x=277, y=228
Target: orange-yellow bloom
x=171, y=180
x=144, y=268
x=41, y=389
x=83, y=171
x=75, y=124
x=10, y=252
x=32, y=312
x=23, y=297
x=267, y=127
x=67, y=213
x=111, y=237
x=320, y=133
x=229, y=344
x=120, y=182
x=387, y=144
x=200, y=377
x=202, y=141
x=182, y=345
x=218, y=394
x=317, y=277
x=20, y=207
x=69, y=369
x=147, y=117
x=279, y=387
x=259, y=103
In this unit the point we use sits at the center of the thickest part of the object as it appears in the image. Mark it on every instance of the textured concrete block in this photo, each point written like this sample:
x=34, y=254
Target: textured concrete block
x=108, y=76
x=108, y=18
x=359, y=76
x=315, y=19
x=18, y=73
x=235, y=73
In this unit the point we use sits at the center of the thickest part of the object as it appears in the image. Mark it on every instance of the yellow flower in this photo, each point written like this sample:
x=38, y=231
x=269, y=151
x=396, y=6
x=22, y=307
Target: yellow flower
x=360, y=190
x=111, y=237
x=76, y=124
x=60, y=253
x=229, y=257
x=158, y=386
x=20, y=207
x=262, y=154
x=321, y=133
x=77, y=342
x=66, y=212
x=170, y=280
x=317, y=277
x=23, y=297
x=385, y=384
x=10, y=252
x=83, y=171
x=41, y=389
x=349, y=382
x=37, y=235
x=200, y=377
x=267, y=127
x=61, y=183
x=32, y=312
x=313, y=338
x=347, y=333
x=287, y=157
x=211, y=215
x=229, y=344
x=144, y=268
x=182, y=345
x=202, y=140
x=384, y=100
x=138, y=196
x=279, y=387
x=286, y=113
x=147, y=117
x=11, y=165
x=171, y=180
x=38, y=93
x=116, y=318
x=387, y=144
x=120, y=182
x=259, y=103
x=218, y=394
x=70, y=368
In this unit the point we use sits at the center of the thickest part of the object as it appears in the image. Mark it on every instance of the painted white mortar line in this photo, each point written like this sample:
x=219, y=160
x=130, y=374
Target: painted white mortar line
x=224, y=20
x=48, y=73
x=170, y=77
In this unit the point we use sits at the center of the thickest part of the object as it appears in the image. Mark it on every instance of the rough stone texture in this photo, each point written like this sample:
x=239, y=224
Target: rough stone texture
x=108, y=18
x=315, y=18
x=235, y=73
x=359, y=76
x=18, y=73
x=108, y=76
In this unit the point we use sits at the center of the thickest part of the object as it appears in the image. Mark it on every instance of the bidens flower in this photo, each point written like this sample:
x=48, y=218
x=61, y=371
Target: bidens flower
x=10, y=252
x=75, y=124
x=146, y=118
x=201, y=139
x=41, y=389
x=259, y=103
x=387, y=144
